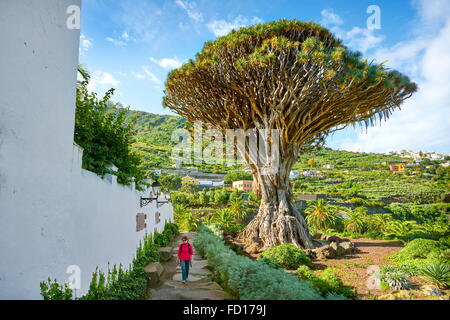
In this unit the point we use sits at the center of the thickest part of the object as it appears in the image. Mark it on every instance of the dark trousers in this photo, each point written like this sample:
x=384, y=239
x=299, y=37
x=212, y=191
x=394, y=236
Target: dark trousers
x=184, y=269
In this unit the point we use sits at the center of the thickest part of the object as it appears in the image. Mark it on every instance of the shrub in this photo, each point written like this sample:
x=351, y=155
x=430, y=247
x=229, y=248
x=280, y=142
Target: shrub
x=438, y=272
x=52, y=290
x=287, y=255
x=270, y=262
x=326, y=281
x=251, y=279
x=106, y=134
x=421, y=249
x=402, y=228
x=397, y=277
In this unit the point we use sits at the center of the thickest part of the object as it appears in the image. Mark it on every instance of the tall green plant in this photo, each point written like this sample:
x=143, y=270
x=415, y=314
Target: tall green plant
x=106, y=134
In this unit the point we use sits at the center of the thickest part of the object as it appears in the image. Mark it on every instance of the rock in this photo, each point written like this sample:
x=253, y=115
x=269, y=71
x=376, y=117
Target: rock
x=317, y=236
x=334, y=239
x=348, y=246
x=310, y=253
x=166, y=253
x=340, y=251
x=253, y=248
x=430, y=290
x=325, y=252
x=155, y=271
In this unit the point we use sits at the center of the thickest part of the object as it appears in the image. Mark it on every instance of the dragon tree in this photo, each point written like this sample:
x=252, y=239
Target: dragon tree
x=292, y=76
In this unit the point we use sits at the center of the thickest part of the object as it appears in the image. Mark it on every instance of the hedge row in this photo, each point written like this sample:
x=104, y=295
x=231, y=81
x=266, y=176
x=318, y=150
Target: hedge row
x=253, y=280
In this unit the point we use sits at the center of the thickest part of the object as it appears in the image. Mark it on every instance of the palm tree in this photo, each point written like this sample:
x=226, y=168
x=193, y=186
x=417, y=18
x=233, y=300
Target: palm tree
x=322, y=216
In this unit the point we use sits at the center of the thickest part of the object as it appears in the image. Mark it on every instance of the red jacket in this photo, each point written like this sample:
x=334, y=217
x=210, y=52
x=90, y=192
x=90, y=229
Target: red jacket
x=185, y=251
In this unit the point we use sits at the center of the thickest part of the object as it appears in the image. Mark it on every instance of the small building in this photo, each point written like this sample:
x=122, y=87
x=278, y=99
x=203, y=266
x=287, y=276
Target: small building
x=243, y=185
x=189, y=180
x=328, y=166
x=397, y=168
x=311, y=173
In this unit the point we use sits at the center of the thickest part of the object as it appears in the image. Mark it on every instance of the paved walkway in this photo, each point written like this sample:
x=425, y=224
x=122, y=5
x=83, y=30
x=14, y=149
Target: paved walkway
x=199, y=285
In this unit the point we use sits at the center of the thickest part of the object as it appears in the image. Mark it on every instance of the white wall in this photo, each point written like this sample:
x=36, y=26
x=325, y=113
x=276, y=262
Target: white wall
x=52, y=213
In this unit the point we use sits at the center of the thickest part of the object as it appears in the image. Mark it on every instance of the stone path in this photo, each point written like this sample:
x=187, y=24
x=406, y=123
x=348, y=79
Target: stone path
x=199, y=285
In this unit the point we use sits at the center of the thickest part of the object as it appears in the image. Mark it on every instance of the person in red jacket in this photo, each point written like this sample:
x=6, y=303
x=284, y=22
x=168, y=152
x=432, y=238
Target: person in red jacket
x=185, y=253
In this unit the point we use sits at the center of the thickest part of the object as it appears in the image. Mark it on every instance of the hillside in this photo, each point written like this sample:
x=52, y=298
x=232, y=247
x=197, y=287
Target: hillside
x=358, y=173
x=153, y=137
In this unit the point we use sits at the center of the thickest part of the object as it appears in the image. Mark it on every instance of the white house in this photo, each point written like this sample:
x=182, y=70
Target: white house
x=311, y=173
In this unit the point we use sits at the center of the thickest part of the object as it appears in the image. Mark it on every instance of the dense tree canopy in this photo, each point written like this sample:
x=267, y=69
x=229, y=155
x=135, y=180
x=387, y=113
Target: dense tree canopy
x=290, y=75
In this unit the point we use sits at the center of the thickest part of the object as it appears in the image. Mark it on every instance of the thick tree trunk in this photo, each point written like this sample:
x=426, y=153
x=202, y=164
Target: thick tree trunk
x=277, y=221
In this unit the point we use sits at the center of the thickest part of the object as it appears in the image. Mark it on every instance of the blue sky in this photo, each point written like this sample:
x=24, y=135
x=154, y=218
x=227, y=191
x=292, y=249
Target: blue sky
x=131, y=45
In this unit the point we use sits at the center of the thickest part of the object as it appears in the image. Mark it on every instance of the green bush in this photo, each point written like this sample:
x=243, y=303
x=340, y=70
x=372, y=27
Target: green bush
x=287, y=255
x=106, y=134
x=271, y=263
x=397, y=277
x=438, y=272
x=52, y=290
x=421, y=249
x=326, y=281
x=249, y=279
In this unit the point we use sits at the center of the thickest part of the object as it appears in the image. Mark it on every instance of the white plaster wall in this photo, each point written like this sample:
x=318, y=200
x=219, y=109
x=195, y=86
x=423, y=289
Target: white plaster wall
x=52, y=213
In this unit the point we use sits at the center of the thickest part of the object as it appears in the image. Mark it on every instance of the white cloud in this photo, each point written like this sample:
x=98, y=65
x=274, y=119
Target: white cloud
x=222, y=27
x=362, y=39
x=357, y=38
x=190, y=8
x=125, y=36
x=122, y=41
x=423, y=122
x=137, y=76
x=116, y=42
x=85, y=43
x=167, y=63
x=151, y=76
x=330, y=18
x=102, y=81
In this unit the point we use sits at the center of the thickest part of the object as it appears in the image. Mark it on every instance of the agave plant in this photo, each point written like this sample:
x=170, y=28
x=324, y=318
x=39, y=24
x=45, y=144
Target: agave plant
x=322, y=216
x=438, y=272
x=398, y=278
